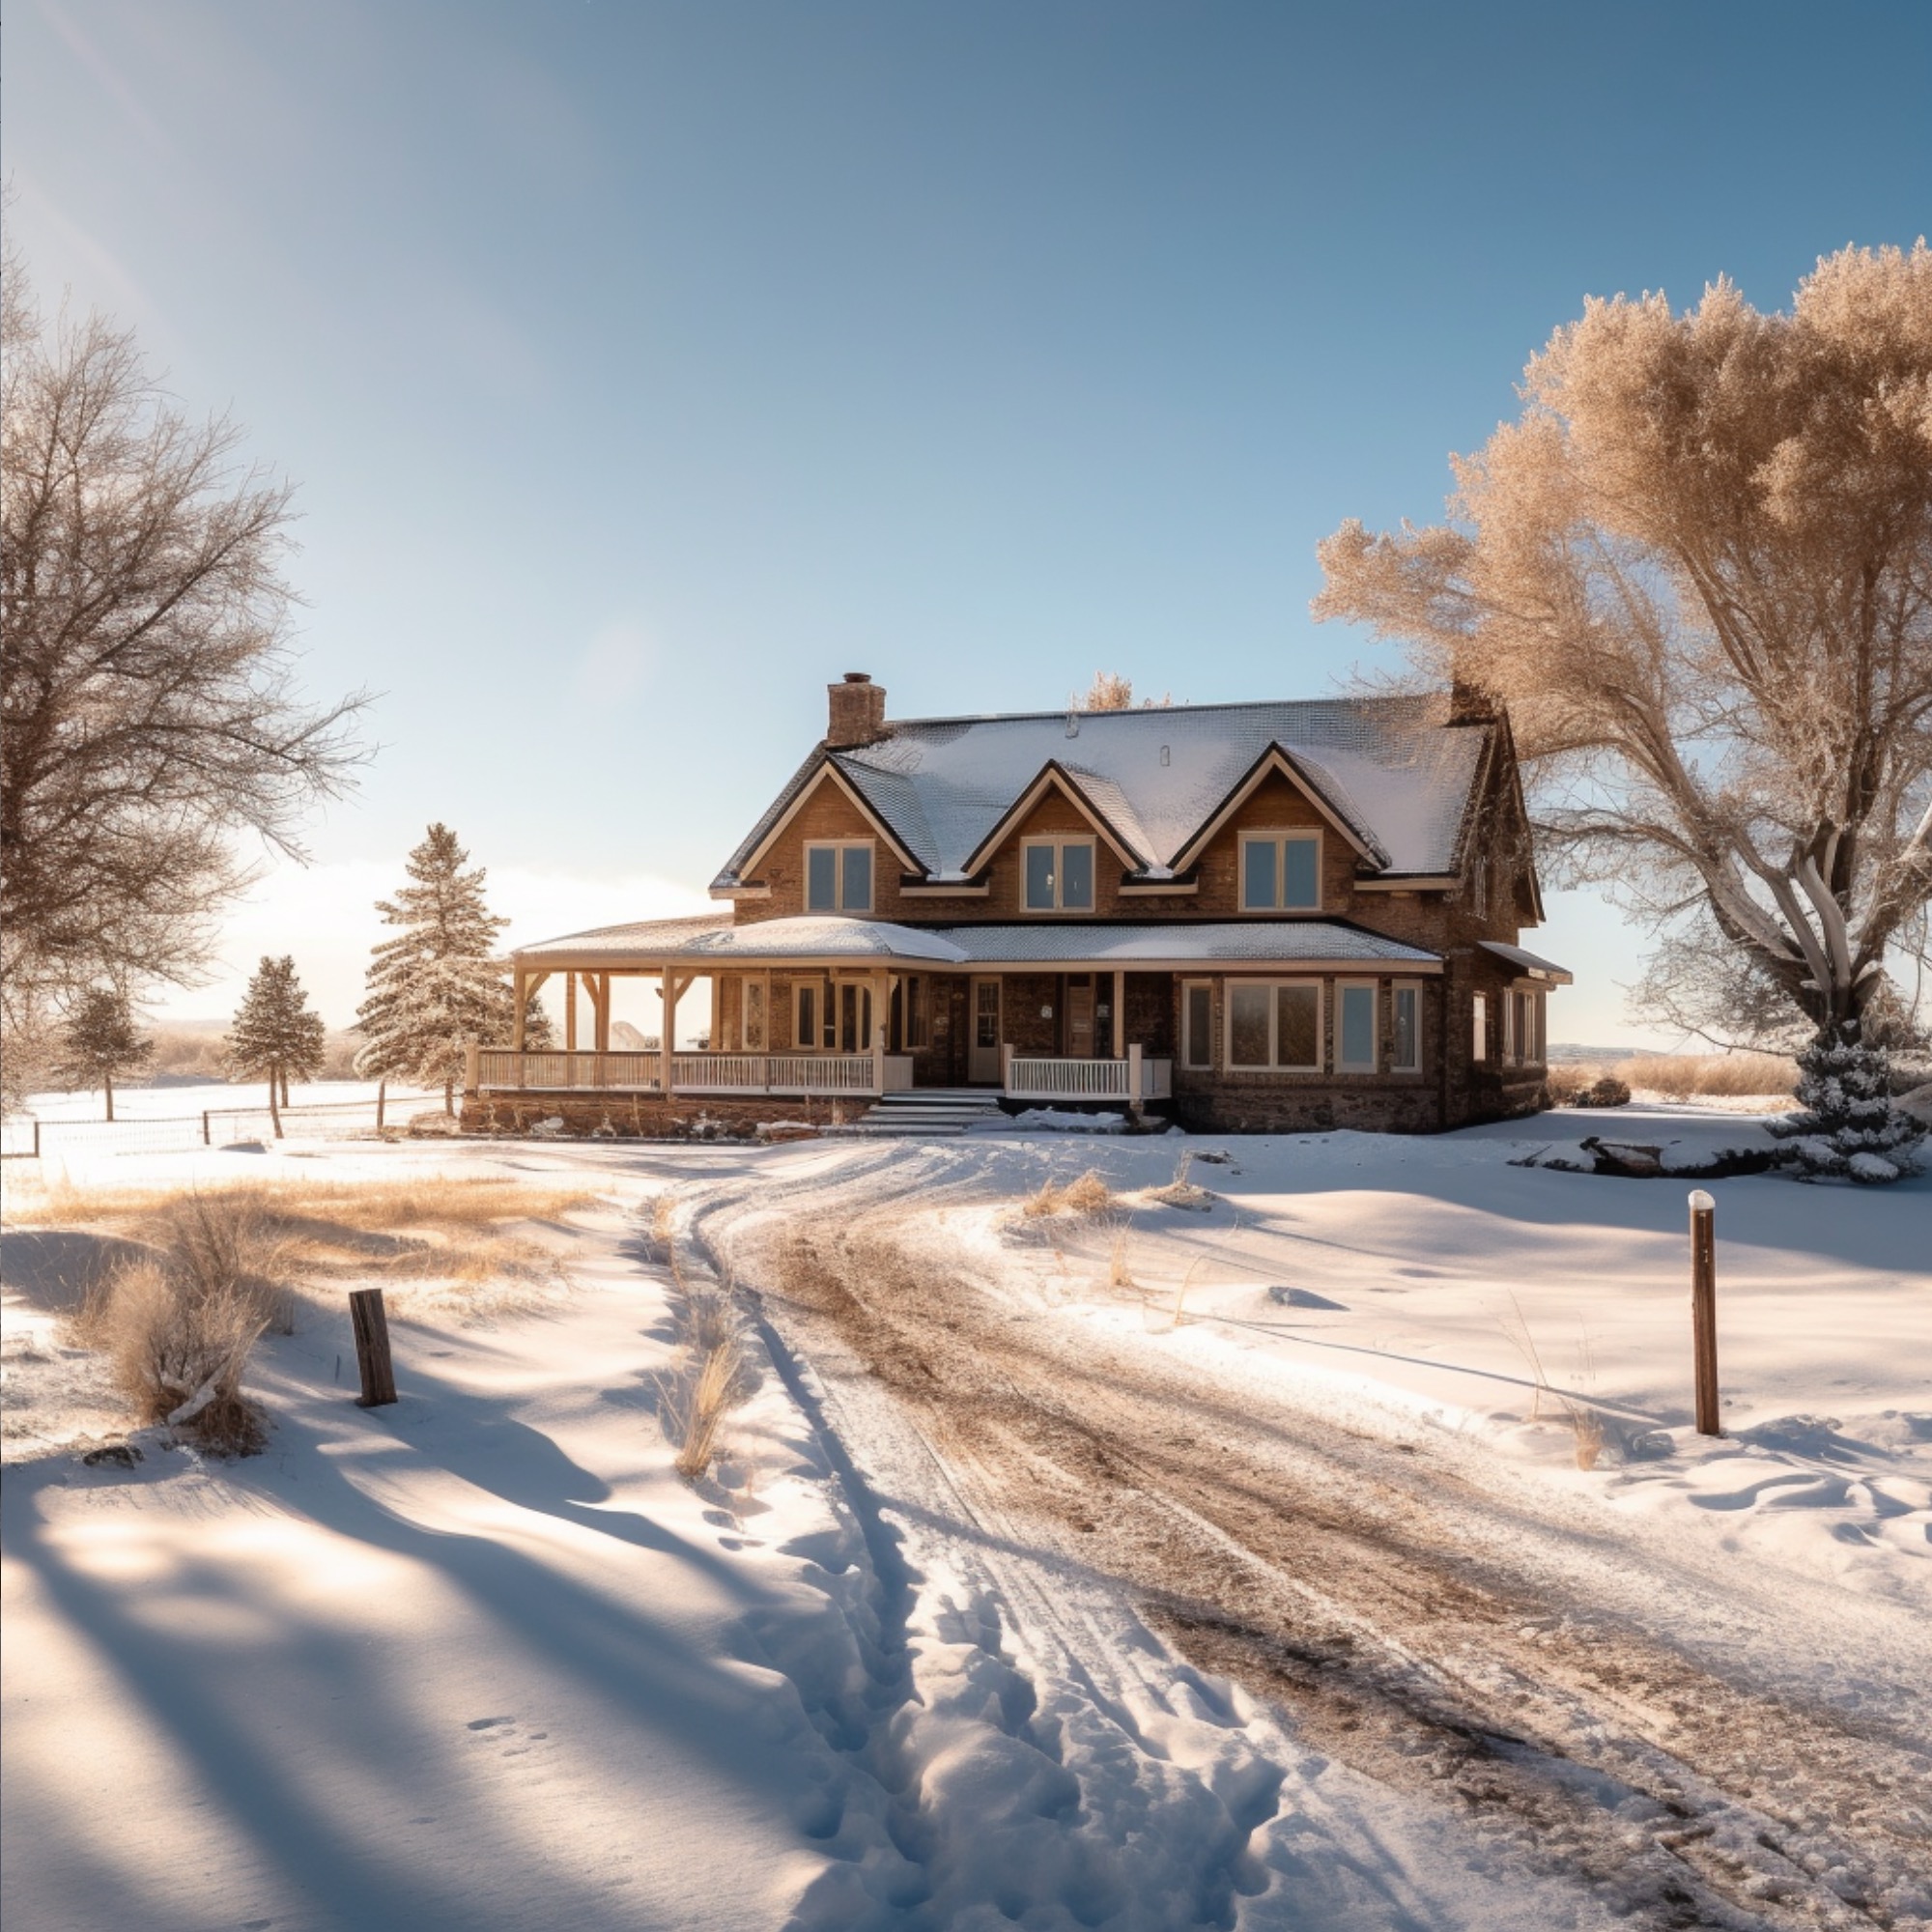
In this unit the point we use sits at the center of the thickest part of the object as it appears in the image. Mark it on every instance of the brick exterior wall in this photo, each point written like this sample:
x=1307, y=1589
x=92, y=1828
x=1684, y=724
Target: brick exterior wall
x=1452, y=1089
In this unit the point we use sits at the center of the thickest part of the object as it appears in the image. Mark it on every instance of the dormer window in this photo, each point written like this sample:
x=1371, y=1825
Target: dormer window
x=838, y=876
x=1059, y=874
x=1281, y=871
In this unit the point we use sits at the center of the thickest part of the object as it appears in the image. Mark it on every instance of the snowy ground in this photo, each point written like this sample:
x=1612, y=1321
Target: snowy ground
x=950, y=1641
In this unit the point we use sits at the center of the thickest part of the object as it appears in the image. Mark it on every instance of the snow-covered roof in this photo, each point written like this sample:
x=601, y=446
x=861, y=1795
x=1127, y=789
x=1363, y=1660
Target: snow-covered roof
x=715, y=942
x=1393, y=770
x=1527, y=962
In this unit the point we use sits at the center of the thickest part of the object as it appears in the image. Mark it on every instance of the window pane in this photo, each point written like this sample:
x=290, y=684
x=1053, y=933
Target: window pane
x=1248, y=1026
x=1200, y=1026
x=1301, y=885
x=1358, y=1026
x=1258, y=872
x=987, y=1013
x=915, y=1034
x=808, y=1016
x=858, y=879
x=1040, y=878
x=1076, y=876
x=1406, y=1044
x=1479, y=1043
x=822, y=879
x=1299, y=1026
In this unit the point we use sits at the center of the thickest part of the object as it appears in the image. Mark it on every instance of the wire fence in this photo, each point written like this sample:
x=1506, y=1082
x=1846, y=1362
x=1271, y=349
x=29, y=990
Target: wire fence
x=26, y=1137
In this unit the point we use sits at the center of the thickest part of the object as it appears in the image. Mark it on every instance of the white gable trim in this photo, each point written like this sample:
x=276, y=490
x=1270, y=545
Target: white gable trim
x=1272, y=760
x=1052, y=778
x=829, y=771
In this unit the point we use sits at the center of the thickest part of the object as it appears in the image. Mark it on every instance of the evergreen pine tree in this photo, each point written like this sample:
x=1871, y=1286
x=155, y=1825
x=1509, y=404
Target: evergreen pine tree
x=99, y=1042
x=437, y=985
x=276, y=1035
x=1846, y=1123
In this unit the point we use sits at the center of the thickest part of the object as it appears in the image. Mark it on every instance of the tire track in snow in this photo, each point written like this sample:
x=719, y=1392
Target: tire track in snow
x=1602, y=1750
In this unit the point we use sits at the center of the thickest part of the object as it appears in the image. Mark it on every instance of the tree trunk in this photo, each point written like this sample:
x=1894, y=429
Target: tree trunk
x=449, y=1097
x=108, y=1087
x=274, y=1112
x=285, y=1090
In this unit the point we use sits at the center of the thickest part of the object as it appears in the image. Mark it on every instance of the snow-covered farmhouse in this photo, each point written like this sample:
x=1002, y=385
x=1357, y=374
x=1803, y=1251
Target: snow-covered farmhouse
x=1249, y=917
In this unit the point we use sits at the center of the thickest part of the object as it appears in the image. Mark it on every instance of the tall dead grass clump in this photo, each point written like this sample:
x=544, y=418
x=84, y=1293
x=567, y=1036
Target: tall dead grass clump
x=1087, y=1194
x=178, y=1350
x=715, y=1375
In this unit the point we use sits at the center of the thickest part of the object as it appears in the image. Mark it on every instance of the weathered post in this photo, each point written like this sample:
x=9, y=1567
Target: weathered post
x=1704, y=1308
x=206, y=1137
x=382, y=1101
x=372, y=1348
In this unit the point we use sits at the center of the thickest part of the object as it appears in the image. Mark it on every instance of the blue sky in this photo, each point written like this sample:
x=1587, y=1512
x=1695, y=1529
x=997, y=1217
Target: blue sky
x=644, y=368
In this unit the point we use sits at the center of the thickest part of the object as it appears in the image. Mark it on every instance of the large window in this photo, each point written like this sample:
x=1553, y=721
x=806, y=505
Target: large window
x=1405, y=1002
x=838, y=876
x=1281, y=871
x=811, y=1015
x=1355, y=1028
x=1197, y=1024
x=1479, y=1029
x=1059, y=874
x=1275, y=1025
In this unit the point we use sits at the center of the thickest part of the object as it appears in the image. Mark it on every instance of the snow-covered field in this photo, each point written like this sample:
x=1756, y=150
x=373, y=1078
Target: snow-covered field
x=948, y=1640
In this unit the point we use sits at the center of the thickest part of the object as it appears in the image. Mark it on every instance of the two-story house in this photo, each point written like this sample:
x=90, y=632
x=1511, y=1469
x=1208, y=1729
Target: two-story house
x=1254, y=918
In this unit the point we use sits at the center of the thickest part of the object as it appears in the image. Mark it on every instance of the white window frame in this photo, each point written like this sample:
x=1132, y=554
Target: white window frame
x=1059, y=842
x=1205, y=1064
x=1479, y=1028
x=1374, y=1063
x=1277, y=837
x=839, y=847
x=1274, y=1064
x=1400, y=989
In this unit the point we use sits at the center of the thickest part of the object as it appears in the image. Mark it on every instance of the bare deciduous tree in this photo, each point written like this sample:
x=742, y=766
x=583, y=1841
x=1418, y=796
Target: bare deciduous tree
x=1698, y=570
x=147, y=695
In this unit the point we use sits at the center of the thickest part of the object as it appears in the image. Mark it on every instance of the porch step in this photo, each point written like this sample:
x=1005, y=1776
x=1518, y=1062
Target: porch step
x=927, y=1112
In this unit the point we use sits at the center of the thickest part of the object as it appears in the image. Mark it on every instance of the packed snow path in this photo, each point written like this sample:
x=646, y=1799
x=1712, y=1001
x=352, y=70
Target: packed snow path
x=1658, y=1730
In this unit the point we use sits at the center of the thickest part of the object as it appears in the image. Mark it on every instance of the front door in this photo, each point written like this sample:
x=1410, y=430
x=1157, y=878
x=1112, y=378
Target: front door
x=855, y=1018
x=1079, y=1017
x=982, y=1053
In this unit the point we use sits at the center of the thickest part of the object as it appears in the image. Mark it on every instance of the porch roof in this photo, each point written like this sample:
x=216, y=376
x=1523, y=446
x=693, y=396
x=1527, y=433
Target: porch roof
x=714, y=942
x=1527, y=962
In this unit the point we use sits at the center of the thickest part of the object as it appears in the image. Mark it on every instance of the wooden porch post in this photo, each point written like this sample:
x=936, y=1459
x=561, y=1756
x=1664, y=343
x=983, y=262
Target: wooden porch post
x=882, y=1017
x=521, y=982
x=599, y=984
x=1119, y=1013
x=1006, y=1067
x=1134, y=1075
x=666, y=1026
x=570, y=1013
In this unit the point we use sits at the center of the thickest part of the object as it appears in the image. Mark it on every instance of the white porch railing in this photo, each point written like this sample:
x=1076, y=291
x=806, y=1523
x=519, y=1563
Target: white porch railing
x=500, y=1069
x=1028, y=1078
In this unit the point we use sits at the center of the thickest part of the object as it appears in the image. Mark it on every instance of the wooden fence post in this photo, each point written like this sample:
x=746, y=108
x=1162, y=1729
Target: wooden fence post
x=382, y=1098
x=372, y=1348
x=1704, y=1308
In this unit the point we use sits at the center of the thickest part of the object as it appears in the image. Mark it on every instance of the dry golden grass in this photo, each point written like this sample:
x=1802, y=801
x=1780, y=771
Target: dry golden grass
x=1683, y=1075
x=1089, y=1194
x=441, y=1245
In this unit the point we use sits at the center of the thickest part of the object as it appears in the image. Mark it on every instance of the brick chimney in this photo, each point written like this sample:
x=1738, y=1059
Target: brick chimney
x=857, y=708
x=1468, y=704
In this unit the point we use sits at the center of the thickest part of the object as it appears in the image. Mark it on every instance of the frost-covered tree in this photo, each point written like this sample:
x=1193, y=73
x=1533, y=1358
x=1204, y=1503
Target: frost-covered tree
x=1845, y=1123
x=99, y=1040
x=1698, y=571
x=437, y=985
x=275, y=1036
x=148, y=706
x=1109, y=692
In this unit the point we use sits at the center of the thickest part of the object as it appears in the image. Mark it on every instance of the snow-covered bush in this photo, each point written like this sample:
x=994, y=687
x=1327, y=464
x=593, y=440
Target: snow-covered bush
x=1846, y=1125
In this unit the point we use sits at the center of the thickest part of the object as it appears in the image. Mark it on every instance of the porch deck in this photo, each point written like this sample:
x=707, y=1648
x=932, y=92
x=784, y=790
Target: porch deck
x=804, y=1075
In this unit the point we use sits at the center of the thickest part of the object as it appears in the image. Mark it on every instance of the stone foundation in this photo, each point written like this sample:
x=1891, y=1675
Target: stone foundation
x=650, y=1116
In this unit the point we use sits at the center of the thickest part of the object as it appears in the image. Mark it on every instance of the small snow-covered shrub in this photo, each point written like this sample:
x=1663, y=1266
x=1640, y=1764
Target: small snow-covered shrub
x=1846, y=1125
x=1584, y=1087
